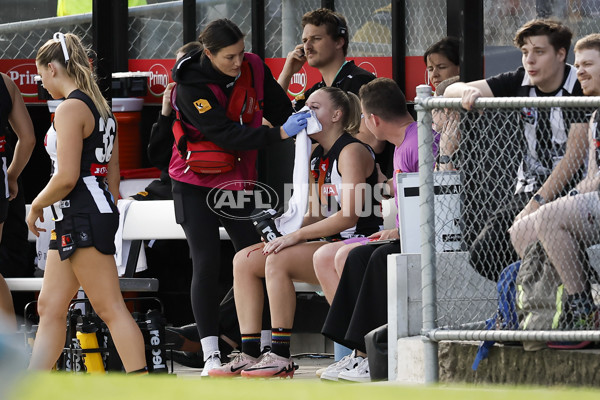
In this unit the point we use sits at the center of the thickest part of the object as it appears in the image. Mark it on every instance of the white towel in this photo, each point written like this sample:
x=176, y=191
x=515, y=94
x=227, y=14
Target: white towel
x=42, y=242
x=123, y=246
x=291, y=220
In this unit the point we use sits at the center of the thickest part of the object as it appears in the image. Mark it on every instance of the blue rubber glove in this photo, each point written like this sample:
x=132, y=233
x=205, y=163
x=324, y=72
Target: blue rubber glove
x=295, y=123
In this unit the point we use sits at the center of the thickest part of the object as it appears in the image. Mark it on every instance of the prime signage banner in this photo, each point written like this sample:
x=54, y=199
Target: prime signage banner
x=23, y=72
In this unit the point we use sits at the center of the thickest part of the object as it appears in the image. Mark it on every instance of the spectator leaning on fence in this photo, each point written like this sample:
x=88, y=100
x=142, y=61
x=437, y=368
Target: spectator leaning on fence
x=443, y=67
x=568, y=225
x=553, y=154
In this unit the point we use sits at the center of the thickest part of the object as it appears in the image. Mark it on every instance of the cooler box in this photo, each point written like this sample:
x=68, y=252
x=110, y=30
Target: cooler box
x=129, y=84
x=128, y=112
x=447, y=208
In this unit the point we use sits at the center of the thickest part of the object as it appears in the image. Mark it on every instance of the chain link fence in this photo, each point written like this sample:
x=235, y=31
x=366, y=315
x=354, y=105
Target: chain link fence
x=504, y=17
x=491, y=142
x=155, y=30
x=21, y=40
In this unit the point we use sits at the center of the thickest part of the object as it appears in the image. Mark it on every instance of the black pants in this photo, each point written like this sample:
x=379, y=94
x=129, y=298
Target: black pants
x=201, y=226
x=16, y=255
x=492, y=250
x=360, y=302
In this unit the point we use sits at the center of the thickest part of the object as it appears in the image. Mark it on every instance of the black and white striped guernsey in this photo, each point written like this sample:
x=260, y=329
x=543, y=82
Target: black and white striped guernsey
x=324, y=168
x=90, y=195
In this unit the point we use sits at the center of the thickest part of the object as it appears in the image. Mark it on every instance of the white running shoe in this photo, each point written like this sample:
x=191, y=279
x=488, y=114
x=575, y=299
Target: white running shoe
x=212, y=362
x=347, y=363
x=320, y=371
x=358, y=374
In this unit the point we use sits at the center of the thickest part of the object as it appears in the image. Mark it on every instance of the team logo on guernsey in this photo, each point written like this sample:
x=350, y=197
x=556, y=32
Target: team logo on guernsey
x=2, y=144
x=66, y=240
x=64, y=204
x=98, y=170
x=202, y=105
x=529, y=115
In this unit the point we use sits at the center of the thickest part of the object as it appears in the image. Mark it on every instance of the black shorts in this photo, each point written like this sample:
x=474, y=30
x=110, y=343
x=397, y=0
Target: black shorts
x=85, y=230
x=3, y=190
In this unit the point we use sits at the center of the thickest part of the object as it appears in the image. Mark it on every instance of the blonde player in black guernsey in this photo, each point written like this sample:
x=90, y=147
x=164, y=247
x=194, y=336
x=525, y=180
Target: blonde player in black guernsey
x=82, y=192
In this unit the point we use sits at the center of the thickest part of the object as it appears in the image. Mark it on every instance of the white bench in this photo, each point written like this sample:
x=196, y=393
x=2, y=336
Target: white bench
x=144, y=220
x=155, y=219
x=127, y=282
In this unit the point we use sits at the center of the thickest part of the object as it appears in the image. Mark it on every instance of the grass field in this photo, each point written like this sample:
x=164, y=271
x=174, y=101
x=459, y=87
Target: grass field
x=115, y=387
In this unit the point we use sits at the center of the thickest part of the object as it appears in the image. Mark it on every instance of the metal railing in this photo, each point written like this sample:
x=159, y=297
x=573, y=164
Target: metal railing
x=492, y=122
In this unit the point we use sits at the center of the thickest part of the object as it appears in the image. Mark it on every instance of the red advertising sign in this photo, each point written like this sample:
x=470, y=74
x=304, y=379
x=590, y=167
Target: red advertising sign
x=22, y=72
x=160, y=76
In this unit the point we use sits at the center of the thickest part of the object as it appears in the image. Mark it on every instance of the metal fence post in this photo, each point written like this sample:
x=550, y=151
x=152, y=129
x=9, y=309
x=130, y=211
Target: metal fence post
x=426, y=161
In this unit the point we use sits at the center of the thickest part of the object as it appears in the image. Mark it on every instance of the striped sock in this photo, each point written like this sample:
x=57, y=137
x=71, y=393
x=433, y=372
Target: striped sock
x=251, y=344
x=280, y=338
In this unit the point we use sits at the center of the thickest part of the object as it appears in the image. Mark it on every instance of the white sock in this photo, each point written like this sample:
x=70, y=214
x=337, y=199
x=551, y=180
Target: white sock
x=265, y=339
x=210, y=344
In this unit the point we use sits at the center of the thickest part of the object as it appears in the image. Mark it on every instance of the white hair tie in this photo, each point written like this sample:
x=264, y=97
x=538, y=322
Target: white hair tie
x=60, y=37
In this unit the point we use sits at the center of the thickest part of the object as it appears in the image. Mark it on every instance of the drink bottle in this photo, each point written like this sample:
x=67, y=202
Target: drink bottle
x=112, y=360
x=86, y=335
x=265, y=224
x=155, y=348
x=72, y=360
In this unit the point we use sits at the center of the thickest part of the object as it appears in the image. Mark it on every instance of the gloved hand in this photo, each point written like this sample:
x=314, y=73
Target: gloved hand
x=295, y=123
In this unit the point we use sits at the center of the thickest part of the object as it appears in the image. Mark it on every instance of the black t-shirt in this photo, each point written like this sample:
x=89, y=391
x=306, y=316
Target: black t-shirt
x=510, y=84
x=545, y=130
x=349, y=79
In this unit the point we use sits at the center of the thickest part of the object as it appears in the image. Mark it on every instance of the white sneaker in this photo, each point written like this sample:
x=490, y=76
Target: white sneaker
x=212, y=362
x=358, y=374
x=347, y=363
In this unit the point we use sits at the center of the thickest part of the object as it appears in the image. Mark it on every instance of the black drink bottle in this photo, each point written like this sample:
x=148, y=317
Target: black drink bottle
x=264, y=222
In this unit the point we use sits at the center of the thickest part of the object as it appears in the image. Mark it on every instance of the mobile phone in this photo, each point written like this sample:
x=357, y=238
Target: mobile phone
x=302, y=52
x=385, y=241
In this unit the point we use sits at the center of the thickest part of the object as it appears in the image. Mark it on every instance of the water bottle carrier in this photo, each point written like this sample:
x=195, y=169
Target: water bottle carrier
x=74, y=355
